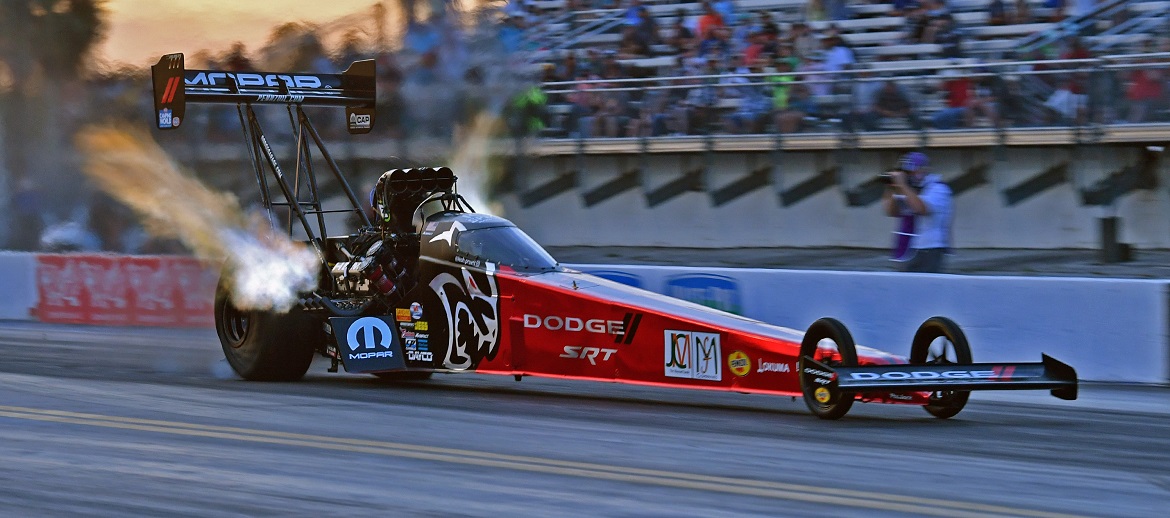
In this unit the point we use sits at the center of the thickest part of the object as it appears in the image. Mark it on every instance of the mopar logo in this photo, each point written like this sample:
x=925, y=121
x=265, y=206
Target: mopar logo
x=713, y=291
x=921, y=375
x=249, y=79
x=366, y=326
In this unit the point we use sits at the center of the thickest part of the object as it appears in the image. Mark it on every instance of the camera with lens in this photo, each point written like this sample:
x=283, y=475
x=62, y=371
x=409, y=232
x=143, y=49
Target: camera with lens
x=887, y=178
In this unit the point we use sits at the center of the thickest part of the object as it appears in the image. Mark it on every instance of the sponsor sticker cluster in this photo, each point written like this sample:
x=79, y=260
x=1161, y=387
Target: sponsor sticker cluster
x=691, y=354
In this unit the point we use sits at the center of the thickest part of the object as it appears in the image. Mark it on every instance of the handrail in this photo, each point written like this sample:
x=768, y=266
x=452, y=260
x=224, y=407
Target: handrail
x=1069, y=26
x=1060, y=66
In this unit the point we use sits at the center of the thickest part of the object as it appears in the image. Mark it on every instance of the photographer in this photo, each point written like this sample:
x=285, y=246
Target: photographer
x=922, y=204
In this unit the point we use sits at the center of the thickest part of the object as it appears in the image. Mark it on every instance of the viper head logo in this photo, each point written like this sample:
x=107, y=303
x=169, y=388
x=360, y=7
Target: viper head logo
x=473, y=317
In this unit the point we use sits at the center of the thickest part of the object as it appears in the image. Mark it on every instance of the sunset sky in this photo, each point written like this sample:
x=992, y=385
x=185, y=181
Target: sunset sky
x=140, y=31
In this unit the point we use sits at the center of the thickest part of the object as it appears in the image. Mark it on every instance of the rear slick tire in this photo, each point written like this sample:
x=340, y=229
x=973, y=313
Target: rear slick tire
x=832, y=329
x=265, y=345
x=944, y=403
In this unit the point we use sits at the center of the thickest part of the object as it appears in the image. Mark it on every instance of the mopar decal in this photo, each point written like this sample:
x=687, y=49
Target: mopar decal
x=367, y=344
x=473, y=315
x=695, y=355
x=250, y=79
x=713, y=291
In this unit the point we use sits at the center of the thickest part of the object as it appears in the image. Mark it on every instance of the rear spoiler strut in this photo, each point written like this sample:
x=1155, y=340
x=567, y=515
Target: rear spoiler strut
x=175, y=86
x=1048, y=374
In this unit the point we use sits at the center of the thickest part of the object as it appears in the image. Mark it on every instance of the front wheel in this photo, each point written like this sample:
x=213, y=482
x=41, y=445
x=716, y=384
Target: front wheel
x=829, y=342
x=940, y=341
x=265, y=345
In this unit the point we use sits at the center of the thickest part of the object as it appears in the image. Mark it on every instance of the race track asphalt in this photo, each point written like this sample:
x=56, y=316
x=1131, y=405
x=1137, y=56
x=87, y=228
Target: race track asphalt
x=141, y=422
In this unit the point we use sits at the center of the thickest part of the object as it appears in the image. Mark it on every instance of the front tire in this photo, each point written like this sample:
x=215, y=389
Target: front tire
x=843, y=354
x=940, y=341
x=265, y=345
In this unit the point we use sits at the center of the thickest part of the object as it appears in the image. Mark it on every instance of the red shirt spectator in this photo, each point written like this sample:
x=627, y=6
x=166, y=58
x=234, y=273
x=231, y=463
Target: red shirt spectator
x=710, y=20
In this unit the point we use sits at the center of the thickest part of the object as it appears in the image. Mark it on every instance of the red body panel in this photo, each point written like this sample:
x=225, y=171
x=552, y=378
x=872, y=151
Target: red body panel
x=573, y=325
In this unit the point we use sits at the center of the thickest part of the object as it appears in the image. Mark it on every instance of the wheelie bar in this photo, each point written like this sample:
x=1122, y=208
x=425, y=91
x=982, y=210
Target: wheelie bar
x=1048, y=374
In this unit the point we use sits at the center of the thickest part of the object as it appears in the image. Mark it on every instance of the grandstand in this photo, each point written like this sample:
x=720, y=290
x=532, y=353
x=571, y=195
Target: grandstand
x=993, y=48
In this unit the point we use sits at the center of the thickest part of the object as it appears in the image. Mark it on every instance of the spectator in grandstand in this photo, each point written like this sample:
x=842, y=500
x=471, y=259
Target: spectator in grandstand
x=585, y=102
x=922, y=203
x=903, y=7
x=804, y=42
x=646, y=32
x=814, y=11
x=767, y=25
x=1147, y=87
x=652, y=117
x=726, y=10
x=799, y=105
x=997, y=13
x=709, y=20
x=511, y=33
x=946, y=34
x=1010, y=101
x=633, y=17
x=757, y=48
x=966, y=100
x=682, y=38
x=889, y=102
x=717, y=45
x=1065, y=106
x=1023, y=12
x=754, y=106
x=838, y=55
x=697, y=110
x=567, y=69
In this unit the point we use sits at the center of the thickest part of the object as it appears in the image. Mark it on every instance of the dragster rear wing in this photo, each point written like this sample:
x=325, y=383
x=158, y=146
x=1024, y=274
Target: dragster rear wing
x=1048, y=374
x=175, y=86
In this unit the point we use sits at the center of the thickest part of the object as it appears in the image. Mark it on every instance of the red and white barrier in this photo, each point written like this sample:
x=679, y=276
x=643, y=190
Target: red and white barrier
x=101, y=289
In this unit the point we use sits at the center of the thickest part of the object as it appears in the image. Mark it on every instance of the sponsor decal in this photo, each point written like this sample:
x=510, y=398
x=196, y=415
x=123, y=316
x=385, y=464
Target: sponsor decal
x=270, y=98
x=421, y=325
x=359, y=121
x=714, y=291
x=625, y=278
x=430, y=228
x=402, y=314
x=772, y=367
x=587, y=353
x=822, y=395
x=739, y=363
x=168, y=95
x=472, y=309
x=926, y=375
x=691, y=354
x=465, y=259
x=406, y=325
x=901, y=397
x=368, y=333
x=818, y=372
x=250, y=79
x=165, y=119
x=420, y=356
x=623, y=330
x=449, y=234
x=415, y=310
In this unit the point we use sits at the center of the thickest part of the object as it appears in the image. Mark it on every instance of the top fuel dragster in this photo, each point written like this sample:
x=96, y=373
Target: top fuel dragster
x=431, y=286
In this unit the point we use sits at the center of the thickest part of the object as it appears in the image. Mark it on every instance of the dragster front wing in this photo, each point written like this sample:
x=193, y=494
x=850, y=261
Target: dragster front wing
x=1048, y=374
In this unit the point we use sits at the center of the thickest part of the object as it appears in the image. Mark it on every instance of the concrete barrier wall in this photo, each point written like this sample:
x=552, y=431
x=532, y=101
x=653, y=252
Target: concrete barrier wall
x=1108, y=329
x=18, y=285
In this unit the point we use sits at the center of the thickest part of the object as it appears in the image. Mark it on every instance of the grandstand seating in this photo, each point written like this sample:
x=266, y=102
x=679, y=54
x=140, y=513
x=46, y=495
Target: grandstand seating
x=878, y=38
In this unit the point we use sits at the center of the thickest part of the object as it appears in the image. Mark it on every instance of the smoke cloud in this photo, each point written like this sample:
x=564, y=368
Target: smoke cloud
x=267, y=269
